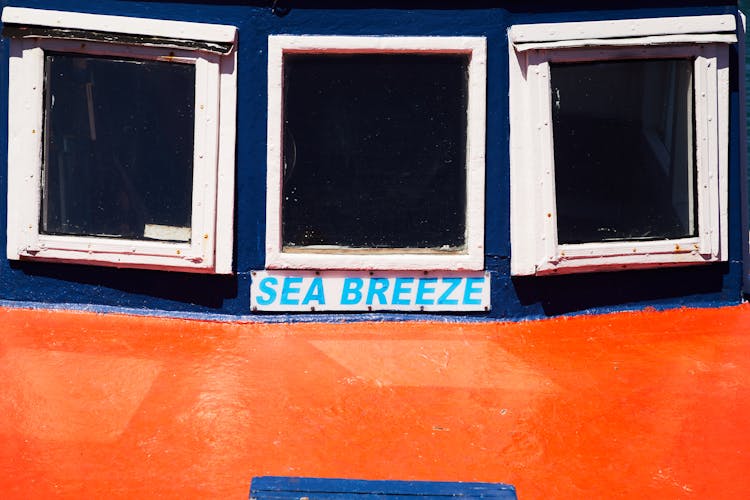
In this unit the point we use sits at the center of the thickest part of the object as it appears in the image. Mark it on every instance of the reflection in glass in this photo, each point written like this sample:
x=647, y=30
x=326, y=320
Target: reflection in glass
x=118, y=147
x=624, y=150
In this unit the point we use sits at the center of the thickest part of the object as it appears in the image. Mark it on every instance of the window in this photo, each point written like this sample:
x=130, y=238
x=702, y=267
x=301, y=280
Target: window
x=121, y=146
x=619, y=143
x=376, y=152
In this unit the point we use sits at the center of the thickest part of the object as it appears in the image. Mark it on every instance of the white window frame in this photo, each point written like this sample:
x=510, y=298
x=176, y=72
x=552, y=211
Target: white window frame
x=534, y=244
x=471, y=257
x=210, y=246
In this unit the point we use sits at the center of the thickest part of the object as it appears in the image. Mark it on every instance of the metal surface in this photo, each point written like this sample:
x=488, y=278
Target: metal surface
x=294, y=488
x=648, y=405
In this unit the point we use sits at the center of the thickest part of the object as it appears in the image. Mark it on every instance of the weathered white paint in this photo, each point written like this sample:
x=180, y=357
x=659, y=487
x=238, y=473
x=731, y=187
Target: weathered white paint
x=534, y=245
x=470, y=258
x=225, y=176
x=120, y=24
x=722, y=133
x=625, y=42
x=213, y=157
x=25, y=118
x=622, y=28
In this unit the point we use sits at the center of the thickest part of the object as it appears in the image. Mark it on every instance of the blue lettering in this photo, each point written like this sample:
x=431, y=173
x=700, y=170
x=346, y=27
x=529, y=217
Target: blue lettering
x=443, y=300
x=352, y=292
x=315, y=292
x=423, y=289
x=471, y=290
x=289, y=289
x=399, y=288
x=266, y=286
x=377, y=288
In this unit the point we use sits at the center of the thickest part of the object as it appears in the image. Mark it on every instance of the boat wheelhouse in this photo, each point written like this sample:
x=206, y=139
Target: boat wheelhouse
x=303, y=239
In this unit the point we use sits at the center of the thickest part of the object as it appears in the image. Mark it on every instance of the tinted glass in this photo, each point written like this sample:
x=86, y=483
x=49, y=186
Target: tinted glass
x=118, y=158
x=624, y=150
x=375, y=150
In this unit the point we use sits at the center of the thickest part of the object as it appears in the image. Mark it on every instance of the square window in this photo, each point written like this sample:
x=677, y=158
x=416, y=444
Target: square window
x=619, y=144
x=376, y=153
x=623, y=144
x=109, y=170
x=121, y=151
x=350, y=150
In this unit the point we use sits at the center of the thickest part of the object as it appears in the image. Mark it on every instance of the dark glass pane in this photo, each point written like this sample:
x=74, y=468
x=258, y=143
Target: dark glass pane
x=375, y=150
x=624, y=152
x=118, y=158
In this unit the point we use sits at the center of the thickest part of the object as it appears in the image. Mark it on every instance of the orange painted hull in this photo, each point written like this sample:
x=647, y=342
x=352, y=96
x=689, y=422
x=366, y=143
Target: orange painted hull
x=649, y=404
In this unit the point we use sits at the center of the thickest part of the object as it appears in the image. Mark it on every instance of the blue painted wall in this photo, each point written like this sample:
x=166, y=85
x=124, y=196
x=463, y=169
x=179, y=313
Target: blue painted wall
x=50, y=285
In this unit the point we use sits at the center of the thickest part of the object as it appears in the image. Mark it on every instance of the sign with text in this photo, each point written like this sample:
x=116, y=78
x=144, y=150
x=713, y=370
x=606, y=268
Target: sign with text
x=369, y=291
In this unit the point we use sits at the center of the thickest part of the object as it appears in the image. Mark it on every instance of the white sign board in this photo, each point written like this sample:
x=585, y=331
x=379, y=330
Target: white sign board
x=369, y=291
